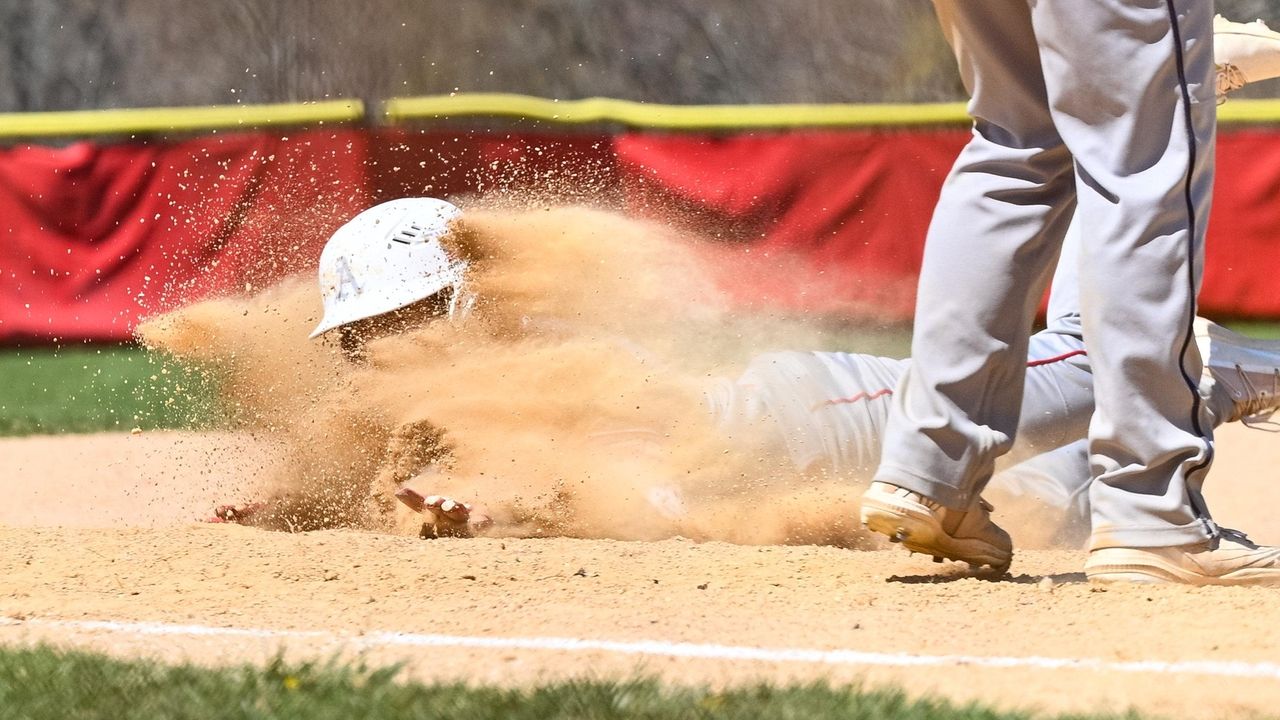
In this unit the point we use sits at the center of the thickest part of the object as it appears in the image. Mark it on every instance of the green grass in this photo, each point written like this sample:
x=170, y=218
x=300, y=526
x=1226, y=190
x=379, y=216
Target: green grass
x=104, y=387
x=94, y=388
x=1255, y=328
x=45, y=684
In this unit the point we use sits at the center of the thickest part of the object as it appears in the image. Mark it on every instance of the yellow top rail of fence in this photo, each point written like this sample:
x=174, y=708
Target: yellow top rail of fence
x=722, y=117
x=503, y=105
x=175, y=119
x=668, y=117
x=1250, y=111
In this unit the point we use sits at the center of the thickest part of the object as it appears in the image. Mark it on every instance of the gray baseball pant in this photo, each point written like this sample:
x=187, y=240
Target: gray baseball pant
x=1104, y=108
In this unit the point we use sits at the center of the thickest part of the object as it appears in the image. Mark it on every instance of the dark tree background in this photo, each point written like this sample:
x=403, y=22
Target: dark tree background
x=74, y=54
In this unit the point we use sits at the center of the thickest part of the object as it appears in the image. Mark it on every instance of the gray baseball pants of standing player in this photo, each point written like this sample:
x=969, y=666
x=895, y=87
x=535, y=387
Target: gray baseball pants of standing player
x=1104, y=108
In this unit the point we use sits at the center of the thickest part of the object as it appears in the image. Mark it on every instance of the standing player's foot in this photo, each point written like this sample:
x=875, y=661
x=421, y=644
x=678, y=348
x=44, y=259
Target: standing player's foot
x=1232, y=560
x=449, y=517
x=1244, y=53
x=1245, y=373
x=924, y=526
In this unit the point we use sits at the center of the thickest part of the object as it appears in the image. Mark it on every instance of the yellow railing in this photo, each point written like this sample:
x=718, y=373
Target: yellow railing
x=669, y=117
x=176, y=119
x=723, y=117
x=587, y=111
x=1250, y=111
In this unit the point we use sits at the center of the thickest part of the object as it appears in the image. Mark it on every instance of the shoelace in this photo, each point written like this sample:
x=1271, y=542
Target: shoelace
x=1229, y=79
x=1258, y=408
x=1235, y=536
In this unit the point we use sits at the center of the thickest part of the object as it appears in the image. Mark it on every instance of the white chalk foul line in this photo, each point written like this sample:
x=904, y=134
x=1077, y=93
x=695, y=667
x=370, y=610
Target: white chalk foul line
x=659, y=648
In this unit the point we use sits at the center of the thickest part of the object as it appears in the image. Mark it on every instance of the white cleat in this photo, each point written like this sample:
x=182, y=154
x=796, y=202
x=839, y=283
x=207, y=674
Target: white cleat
x=1245, y=372
x=1232, y=559
x=1244, y=53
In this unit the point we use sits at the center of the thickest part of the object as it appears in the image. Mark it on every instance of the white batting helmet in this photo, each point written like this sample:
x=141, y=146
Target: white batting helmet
x=385, y=258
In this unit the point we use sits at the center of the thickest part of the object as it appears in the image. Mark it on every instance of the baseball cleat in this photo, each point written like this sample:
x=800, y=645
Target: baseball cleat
x=1232, y=560
x=1244, y=53
x=1246, y=368
x=924, y=526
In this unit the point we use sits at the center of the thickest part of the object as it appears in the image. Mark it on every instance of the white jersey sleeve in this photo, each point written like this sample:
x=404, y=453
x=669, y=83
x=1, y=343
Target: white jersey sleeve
x=827, y=409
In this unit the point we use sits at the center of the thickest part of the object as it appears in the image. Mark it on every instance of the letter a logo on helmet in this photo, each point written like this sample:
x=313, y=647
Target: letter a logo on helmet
x=347, y=283
x=385, y=258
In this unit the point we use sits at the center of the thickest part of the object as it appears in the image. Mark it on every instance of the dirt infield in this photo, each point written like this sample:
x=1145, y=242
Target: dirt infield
x=101, y=528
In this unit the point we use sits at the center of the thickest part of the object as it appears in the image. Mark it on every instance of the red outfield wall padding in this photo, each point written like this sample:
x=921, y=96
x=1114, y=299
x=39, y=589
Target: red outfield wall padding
x=1242, y=257
x=851, y=210
x=94, y=236
x=411, y=162
x=845, y=213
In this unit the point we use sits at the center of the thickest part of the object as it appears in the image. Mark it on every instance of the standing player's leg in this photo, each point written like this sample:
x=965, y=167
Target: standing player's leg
x=1150, y=435
x=1144, y=188
x=995, y=236
x=1242, y=375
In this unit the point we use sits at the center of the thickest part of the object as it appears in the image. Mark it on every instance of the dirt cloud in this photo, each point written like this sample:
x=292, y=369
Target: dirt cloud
x=570, y=402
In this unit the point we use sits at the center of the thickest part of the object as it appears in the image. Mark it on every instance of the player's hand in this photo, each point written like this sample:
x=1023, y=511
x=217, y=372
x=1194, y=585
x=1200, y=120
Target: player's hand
x=449, y=517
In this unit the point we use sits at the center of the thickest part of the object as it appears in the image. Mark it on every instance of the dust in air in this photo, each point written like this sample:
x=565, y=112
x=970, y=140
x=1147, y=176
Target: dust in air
x=569, y=403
